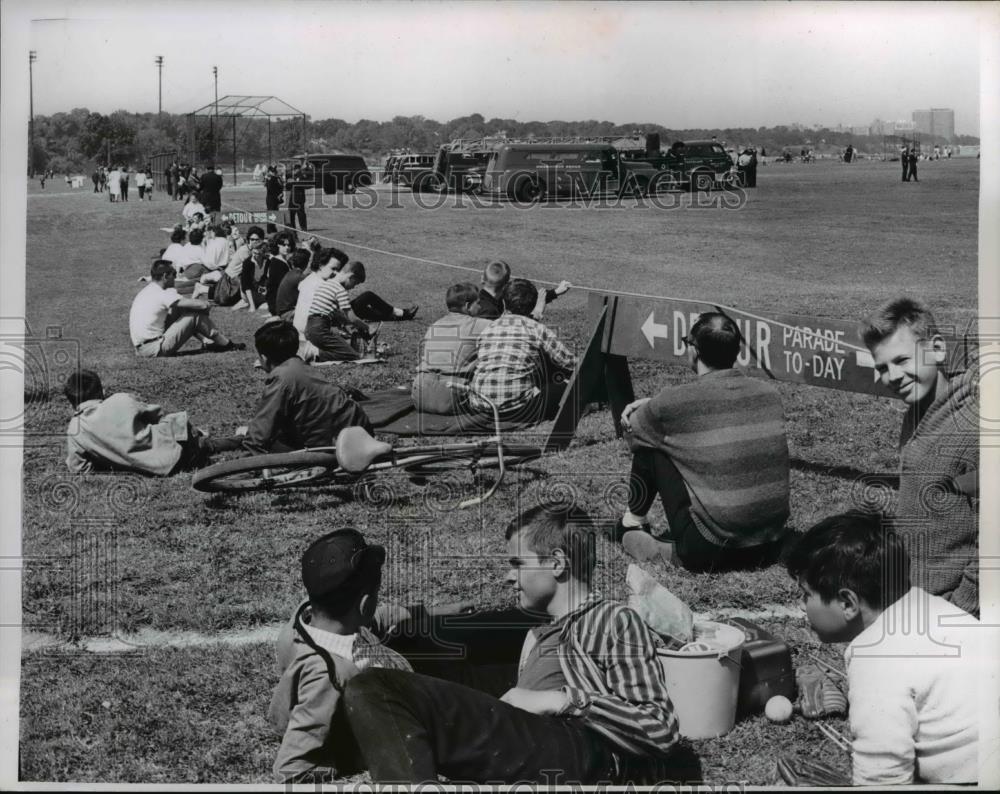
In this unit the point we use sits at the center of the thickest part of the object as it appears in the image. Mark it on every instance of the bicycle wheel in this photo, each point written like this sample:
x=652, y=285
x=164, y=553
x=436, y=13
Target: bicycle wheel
x=465, y=456
x=266, y=472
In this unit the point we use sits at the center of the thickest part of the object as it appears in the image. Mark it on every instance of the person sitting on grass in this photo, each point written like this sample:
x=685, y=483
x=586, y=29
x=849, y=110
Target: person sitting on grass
x=161, y=321
x=496, y=277
x=715, y=451
x=448, y=355
x=191, y=206
x=589, y=701
x=913, y=659
x=298, y=408
x=331, y=325
x=330, y=638
x=287, y=295
x=938, y=448
x=280, y=250
x=124, y=434
x=250, y=259
x=522, y=366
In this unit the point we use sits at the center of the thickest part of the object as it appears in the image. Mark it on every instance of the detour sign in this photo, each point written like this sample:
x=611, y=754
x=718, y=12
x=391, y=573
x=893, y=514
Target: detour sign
x=815, y=350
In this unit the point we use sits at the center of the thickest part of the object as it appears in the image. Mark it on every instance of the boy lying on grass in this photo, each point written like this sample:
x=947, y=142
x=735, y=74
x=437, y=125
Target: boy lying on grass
x=912, y=665
x=327, y=642
x=121, y=433
x=589, y=704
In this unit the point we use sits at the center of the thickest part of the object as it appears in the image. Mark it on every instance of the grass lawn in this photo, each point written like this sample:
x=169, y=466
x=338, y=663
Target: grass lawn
x=125, y=553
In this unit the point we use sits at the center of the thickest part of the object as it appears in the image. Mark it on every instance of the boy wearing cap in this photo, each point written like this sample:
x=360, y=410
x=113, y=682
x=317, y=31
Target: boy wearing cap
x=328, y=642
x=589, y=703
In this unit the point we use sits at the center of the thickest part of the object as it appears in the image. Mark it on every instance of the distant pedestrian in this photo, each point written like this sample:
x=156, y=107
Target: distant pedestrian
x=296, y=187
x=275, y=194
x=114, y=184
x=124, y=182
x=211, y=192
x=96, y=179
x=149, y=183
x=904, y=156
x=140, y=183
x=912, y=172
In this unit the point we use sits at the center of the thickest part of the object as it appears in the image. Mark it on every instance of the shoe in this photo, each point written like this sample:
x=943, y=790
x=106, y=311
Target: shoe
x=409, y=314
x=224, y=348
x=240, y=305
x=614, y=531
x=643, y=547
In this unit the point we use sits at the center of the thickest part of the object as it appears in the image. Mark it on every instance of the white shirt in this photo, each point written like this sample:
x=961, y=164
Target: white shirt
x=307, y=287
x=182, y=255
x=148, y=317
x=913, y=676
x=215, y=252
x=191, y=208
x=140, y=179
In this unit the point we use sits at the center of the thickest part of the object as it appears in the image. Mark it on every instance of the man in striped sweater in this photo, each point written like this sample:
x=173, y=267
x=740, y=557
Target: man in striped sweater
x=716, y=453
x=937, y=512
x=589, y=703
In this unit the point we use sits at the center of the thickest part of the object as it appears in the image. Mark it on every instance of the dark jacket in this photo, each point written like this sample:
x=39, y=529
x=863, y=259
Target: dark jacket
x=299, y=410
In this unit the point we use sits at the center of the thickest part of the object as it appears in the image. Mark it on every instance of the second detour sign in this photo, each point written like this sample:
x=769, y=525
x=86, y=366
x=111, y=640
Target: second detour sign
x=818, y=351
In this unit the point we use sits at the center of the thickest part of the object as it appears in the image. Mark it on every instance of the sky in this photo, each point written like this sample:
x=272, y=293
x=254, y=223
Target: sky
x=681, y=65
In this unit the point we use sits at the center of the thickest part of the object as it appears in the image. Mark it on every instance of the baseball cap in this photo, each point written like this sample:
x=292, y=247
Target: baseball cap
x=338, y=559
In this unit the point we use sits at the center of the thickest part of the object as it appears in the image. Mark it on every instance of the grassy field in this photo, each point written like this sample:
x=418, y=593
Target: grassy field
x=127, y=554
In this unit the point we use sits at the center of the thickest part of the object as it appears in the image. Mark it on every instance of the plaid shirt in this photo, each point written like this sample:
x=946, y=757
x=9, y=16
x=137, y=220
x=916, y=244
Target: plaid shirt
x=510, y=368
x=615, y=681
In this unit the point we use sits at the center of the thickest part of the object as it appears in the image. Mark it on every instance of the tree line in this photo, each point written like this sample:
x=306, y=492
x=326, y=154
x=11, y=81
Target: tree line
x=81, y=139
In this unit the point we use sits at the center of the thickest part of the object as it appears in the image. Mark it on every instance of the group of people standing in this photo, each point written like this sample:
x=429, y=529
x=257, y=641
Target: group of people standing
x=116, y=182
x=909, y=157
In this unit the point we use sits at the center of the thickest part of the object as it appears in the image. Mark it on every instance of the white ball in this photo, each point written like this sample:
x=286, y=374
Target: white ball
x=778, y=709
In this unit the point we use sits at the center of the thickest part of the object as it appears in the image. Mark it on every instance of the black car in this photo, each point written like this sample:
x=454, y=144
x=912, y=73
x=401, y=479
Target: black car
x=333, y=172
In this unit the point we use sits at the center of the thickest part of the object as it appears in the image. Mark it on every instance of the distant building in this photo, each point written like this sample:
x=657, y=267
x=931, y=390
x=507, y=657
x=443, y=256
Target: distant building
x=859, y=130
x=939, y=122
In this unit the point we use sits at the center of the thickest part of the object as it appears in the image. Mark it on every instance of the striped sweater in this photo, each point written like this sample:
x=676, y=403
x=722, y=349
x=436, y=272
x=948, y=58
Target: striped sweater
x=941, y=527
x=725, y=433
x=608, y=658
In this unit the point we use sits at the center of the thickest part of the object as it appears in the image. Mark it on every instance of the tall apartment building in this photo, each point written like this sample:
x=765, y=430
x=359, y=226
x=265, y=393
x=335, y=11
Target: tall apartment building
x=939, y=122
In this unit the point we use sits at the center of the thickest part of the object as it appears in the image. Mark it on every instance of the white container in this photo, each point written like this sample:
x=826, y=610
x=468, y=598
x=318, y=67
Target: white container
x=703, y=683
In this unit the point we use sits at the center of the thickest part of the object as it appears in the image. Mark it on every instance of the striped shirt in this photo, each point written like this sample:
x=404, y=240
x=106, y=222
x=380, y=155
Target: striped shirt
x=725, y=433
x=510, y=369
x=608, y=657
x=329, y=295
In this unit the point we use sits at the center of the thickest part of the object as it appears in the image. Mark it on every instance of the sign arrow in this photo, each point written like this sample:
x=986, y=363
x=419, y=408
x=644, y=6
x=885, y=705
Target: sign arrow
x=863, y=358
x=651, y=330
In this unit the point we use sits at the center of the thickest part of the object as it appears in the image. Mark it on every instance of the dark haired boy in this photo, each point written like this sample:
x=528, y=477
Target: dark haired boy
x=715, y=451
x=122, y=433
x=589, y=703
x=327, y=642
x=448, y=355
x=522, y=366
x=161, y=321
x=298, y=408
x=913, y=663
x=938, y=449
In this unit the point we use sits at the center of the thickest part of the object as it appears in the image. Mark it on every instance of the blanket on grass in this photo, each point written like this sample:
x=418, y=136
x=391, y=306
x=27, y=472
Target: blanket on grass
x=393, y=411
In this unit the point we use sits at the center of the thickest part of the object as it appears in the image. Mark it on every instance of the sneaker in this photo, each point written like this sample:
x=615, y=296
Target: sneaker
x=224, y=348
x=643, y=547
x=409, y=314
x=240, y=305
x=614, y=531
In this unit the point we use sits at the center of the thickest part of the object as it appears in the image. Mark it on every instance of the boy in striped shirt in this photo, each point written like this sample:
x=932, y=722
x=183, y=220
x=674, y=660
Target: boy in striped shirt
x=331, y=325
x=589, y=703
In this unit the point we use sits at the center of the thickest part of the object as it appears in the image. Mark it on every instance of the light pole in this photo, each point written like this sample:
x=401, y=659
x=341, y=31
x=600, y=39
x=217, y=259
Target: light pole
x=159, y=65
x=32, y=57
x=215, y=137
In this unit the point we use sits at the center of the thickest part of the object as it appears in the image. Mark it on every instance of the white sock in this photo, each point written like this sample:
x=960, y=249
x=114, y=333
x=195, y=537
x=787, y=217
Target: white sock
x=632, y=521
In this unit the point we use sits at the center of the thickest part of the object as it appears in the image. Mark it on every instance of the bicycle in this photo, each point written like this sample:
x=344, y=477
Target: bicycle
x=356, y=456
